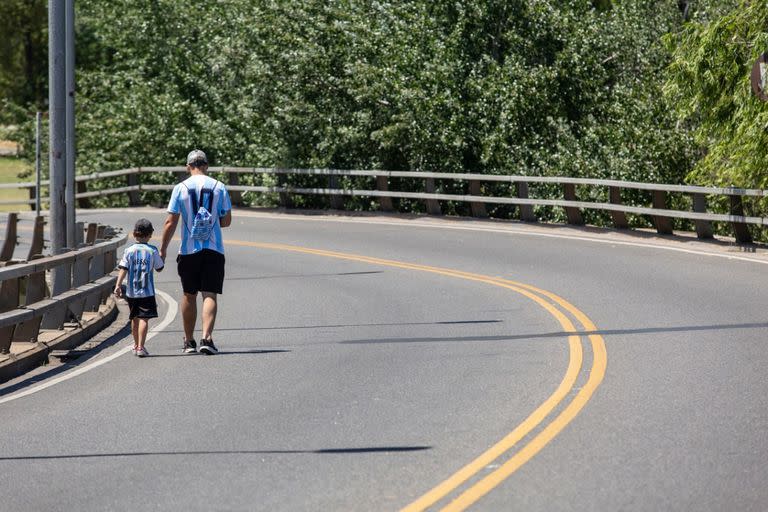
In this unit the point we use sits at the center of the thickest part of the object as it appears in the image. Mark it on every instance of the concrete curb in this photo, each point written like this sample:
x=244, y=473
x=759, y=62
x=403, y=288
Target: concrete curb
x=66, y=339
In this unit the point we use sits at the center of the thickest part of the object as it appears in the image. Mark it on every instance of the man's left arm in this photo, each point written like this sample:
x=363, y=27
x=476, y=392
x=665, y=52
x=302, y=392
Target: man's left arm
x=225, y=211
x=169, y=228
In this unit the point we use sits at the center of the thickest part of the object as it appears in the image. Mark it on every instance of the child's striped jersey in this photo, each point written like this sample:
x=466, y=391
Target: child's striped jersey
x=140, y=260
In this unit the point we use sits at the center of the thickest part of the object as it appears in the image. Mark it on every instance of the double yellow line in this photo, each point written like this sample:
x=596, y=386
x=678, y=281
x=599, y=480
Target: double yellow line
x=557, y=307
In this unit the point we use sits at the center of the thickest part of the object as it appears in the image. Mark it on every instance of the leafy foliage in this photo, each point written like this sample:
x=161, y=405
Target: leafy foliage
x=710, y=86
x=23, y=57
x=544, y=87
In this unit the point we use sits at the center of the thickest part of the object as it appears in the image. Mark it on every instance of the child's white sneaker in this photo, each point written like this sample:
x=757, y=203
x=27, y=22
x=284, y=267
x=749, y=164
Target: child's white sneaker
x=141, y=352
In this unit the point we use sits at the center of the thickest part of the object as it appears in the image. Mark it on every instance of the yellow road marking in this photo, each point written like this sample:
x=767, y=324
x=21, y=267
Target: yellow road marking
x=597, y=372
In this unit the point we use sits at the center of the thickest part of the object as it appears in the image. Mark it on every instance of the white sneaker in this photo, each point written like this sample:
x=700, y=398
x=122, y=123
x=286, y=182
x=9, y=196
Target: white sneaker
x=141, y=352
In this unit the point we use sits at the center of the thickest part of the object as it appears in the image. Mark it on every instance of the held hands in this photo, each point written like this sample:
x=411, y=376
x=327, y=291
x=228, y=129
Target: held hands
x=118, y=290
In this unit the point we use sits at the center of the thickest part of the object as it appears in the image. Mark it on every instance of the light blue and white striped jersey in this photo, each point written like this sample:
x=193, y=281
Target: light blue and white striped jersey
x=140, y=260
x=181, y=204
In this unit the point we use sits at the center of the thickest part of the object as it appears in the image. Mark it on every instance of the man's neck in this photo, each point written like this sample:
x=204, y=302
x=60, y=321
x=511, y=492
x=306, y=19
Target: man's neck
x=196, y=172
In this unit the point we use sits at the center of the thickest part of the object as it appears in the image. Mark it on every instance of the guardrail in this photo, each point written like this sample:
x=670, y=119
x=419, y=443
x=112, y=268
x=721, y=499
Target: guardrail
x=29, y=304
x=662, y=216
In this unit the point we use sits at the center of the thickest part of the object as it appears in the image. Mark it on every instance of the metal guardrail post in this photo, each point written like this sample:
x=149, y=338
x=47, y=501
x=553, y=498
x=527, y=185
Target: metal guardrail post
x=83, y=202
x=337, y=202
x=10, y=237
x=526, y=210
x=90, y=237
x=703, y=227
x=284, y=200
x=62, y=282
x=133, y=195
x=35, y=290
x=81, y=272
x=110, y=261
x=433, y=205
x=9, y=299
x=79, y=234
x=32, y=191
x=382, y=185
x=478, y=209
x=235, y=195
x=619, y=218
x=36, y=248
x=110, y=264
x=80, y=276
x=95, y=272
x=740, y=229
x=97, y=268
x=572, y=214
x=663, y=224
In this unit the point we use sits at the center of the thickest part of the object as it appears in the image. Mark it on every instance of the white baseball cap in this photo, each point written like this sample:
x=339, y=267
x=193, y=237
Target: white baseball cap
x=196, y=158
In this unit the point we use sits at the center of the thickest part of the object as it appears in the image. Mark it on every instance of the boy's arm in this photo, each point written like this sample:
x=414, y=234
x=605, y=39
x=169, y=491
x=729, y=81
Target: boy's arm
x=157, y=262
x=119, y=282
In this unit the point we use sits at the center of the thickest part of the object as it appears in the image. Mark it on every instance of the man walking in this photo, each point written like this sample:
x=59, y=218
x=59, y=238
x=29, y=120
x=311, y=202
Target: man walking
x=204, y=207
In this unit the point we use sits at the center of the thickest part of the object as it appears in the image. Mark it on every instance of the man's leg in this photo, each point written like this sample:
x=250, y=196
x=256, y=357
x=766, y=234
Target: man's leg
x=189, y=314
x=210, y=309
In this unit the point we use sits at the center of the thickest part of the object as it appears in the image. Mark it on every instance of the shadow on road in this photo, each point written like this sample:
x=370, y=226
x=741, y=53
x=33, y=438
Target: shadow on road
x=325, y=451
x=561, y=334
x=227, y=352
x=336, y=326
x=285, y=276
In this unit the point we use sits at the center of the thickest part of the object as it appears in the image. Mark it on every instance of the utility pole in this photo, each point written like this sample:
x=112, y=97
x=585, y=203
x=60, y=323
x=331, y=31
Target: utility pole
x=38, y=134
x=70, y=124
x=57, y=112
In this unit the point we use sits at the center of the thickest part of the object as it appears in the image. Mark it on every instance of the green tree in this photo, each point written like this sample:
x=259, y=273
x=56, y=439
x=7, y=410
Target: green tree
x=539, y=87
x=709, y=83
x=23, y=56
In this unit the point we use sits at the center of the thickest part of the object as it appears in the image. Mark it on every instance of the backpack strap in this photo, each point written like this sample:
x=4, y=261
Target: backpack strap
x=192, y=193
x=192, y=198
x=206, y=193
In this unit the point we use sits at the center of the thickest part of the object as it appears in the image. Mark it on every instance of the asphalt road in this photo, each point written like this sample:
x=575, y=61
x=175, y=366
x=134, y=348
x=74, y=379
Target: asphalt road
x=365, y=361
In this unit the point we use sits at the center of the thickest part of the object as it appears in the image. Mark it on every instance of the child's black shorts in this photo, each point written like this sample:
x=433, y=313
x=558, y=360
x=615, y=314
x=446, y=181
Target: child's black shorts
x=201, y=271
x=142, y=307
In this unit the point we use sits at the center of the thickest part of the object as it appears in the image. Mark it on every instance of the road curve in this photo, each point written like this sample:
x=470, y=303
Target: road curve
x=382, y=363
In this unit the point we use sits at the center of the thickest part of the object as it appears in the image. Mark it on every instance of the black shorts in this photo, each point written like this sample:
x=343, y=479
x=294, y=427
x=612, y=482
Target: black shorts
x=201, y=272
x=142, y=307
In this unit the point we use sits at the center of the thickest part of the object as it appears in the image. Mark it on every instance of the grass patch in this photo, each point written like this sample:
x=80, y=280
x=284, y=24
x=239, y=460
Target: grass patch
x=10, y=168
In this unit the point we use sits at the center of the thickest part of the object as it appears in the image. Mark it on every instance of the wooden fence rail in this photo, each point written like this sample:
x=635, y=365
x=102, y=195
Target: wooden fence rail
x=520, y=197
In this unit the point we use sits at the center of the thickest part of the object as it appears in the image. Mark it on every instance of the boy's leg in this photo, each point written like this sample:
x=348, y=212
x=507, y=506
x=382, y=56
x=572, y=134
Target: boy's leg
x=189, y=314
x=135, y=332
x=141, y=329
x=210, y=308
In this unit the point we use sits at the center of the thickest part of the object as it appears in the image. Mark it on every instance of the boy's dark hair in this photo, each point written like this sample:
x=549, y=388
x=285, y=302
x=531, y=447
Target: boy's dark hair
x=143, y=228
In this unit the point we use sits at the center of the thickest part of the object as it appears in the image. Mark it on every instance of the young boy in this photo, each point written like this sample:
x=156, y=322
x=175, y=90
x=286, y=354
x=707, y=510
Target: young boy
x=137, y=264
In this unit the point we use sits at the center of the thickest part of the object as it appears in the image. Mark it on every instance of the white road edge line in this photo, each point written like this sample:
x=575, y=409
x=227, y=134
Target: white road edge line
x=173, y=308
